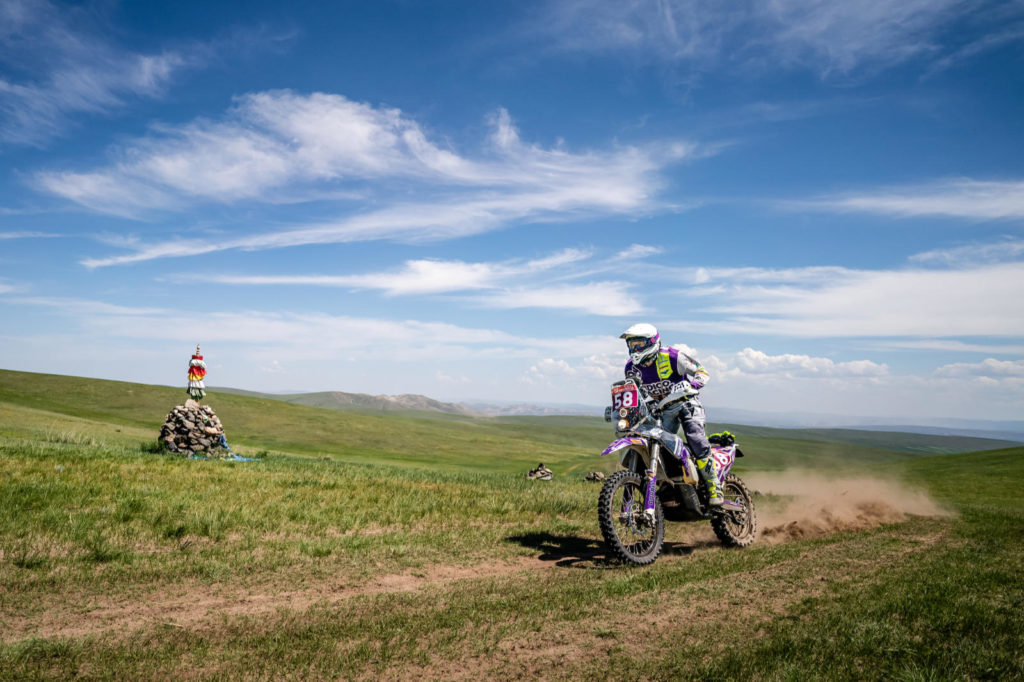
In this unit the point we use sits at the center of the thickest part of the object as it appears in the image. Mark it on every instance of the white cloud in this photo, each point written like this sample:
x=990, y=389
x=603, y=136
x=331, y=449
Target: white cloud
x=27, y=234
x=285, y=147
x=990, y=367
x=422, y=276
x=806, y=275
x=826, y=37
x=1007, y=249
x=313, y=334
x=273, y=140
x=319, y=351
x=971, y=302
x=596, y=298
x=593, y=372
x=952, y=345
x=69, y=68
x=273, y=367
x=449, y=379
x=499, y=282
x=1011, y=34
x=639, y=251
x=963, y=198
x=750, y=361
x=86, y=308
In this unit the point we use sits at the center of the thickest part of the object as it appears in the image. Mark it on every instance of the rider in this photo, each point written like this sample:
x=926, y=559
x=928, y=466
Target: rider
x=663, y=371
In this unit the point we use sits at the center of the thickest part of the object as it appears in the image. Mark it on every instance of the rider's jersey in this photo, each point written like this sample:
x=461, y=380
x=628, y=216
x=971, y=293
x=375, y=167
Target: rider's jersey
x=670, y=368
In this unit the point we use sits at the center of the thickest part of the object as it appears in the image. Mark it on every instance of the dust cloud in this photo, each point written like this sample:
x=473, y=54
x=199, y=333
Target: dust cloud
x=810, y=504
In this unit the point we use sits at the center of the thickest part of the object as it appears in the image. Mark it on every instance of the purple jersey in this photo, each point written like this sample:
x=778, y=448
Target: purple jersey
x=662, y=375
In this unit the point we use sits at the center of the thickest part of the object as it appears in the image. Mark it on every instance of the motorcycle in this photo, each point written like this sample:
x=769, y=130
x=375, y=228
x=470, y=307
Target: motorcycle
x=659, y=481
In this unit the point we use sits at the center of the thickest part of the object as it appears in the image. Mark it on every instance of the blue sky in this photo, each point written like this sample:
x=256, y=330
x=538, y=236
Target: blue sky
x=823, y=201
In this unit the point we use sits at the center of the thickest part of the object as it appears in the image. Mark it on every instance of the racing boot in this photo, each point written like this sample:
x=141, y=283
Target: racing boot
x=706, y=471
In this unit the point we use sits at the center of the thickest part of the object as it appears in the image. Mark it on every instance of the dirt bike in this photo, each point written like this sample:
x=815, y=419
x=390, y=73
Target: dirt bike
x=635, y=501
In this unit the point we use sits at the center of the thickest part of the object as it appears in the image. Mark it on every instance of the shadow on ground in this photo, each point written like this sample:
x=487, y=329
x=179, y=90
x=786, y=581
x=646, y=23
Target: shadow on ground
x=570, y=550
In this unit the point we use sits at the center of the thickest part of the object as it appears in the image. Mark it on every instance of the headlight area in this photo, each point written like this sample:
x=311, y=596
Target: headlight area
x=622, y=425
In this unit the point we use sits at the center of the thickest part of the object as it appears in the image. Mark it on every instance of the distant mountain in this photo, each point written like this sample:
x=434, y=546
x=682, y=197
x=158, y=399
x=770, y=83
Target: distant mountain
x=1012, y=431
x=410, y=402
x=360, y=401
x=534, y=410
x=973, y=428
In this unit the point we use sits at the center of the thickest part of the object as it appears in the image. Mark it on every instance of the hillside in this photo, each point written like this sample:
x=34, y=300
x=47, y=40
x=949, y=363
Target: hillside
x=394, y=547
x=359, y=402
x=432, y=439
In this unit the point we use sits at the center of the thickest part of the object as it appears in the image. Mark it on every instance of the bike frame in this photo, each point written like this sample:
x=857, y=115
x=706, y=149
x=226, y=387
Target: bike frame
x=644, y=443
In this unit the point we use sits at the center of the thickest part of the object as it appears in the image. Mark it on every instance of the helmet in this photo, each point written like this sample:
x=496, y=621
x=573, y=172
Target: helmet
x=643, y=342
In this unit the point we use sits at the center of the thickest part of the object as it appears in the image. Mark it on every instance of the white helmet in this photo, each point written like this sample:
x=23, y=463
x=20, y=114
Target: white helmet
x=643, y=342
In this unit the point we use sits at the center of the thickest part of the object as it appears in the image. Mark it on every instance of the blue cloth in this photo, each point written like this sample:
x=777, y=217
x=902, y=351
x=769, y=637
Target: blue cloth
x=232, y=457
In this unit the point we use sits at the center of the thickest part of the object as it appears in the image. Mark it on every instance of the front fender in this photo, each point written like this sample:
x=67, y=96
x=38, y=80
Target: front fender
x=623, y=443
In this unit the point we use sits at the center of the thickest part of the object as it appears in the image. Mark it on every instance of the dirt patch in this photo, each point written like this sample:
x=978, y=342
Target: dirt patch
x=813, y=504
x=683, y=617
x=809, y=505
x=188, y=605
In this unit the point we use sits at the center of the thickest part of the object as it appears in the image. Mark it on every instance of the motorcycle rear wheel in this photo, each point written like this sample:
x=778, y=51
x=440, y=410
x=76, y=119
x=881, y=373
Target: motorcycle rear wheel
x=628, y=534
x=735, y=529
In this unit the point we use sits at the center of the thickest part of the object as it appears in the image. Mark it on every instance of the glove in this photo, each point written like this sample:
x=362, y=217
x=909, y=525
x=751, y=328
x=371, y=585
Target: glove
x=696, y=383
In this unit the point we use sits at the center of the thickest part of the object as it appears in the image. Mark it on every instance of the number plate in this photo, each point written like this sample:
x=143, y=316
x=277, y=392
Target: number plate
x=625, y=396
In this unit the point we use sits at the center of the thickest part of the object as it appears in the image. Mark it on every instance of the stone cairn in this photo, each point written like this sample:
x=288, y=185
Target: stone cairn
x=194, y=429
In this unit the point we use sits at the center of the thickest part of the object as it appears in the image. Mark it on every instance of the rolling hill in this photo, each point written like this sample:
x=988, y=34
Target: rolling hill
x=399, y=546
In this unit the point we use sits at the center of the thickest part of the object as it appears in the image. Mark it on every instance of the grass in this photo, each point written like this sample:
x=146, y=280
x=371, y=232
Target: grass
x=395, y=547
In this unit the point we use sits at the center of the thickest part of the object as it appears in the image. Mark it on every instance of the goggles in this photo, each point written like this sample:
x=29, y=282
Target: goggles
x=638, y=343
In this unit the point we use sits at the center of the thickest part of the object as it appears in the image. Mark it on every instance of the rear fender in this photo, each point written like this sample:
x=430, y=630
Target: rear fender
x=723, y=458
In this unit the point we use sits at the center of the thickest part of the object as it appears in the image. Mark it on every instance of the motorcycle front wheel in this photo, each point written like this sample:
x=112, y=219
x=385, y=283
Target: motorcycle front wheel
x=629, y=534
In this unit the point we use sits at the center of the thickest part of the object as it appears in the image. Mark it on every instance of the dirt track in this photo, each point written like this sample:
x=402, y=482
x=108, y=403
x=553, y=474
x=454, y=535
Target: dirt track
x=814, y=508
x=190, y=605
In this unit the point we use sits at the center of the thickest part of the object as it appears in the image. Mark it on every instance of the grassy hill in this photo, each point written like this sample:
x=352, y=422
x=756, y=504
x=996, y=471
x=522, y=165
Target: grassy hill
x=360, y=402
x=390, y=547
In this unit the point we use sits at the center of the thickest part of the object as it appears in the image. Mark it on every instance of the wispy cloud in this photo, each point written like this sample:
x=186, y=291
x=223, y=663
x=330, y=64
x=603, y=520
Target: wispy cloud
x=826, y=37
x=304, y=334
x=423, y=276
x=1006, y=249
x=945, y=345
x=978, y=301
x=68, y=67
x=596, y=298
x=27, y=234
x=961, y=198
x=990, y=367
x=750, y=361
x=594, y=371
x=638, y=251
x=500, y=283
x=1010, y=34
x=283, y=146
x=84, y=308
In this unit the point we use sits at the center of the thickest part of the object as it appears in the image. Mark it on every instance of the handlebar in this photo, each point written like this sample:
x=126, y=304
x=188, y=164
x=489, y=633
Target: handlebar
x=684, y=394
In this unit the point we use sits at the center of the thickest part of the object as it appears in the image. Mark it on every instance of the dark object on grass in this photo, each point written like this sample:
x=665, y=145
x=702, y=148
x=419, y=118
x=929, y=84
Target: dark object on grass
x=541, y=473
x=594, y=476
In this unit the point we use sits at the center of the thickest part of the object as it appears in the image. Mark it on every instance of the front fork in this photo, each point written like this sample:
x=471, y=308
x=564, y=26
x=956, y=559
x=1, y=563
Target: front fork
x=652, y=483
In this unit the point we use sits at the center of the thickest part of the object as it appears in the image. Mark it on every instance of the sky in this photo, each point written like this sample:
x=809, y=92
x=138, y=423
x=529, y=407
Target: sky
x=821, y=201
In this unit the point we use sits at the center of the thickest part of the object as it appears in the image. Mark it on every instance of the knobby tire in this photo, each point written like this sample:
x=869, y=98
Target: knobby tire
x=610, y=513
x=729, y=532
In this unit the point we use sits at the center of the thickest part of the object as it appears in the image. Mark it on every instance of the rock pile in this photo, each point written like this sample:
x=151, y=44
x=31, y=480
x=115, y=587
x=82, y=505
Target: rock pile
x=193, y=429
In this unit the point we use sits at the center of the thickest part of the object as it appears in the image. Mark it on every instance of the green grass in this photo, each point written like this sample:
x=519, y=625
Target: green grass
x=91, y=520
